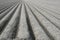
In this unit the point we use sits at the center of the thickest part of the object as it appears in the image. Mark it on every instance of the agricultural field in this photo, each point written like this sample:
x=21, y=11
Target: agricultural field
x=29, y=19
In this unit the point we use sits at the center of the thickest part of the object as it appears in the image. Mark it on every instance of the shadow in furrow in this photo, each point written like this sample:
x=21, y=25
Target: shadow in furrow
x=14, y=31
x=2, y=26
x=42, y=26
x=49, y=13
x=5, y=8
x=47, y=18
x=29, y=25
x=53, y=11
x=2, y=8
x=6, y=12
x=16, y=26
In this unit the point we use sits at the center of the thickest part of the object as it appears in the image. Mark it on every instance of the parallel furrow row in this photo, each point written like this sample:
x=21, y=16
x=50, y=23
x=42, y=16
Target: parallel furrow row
x=25, y=21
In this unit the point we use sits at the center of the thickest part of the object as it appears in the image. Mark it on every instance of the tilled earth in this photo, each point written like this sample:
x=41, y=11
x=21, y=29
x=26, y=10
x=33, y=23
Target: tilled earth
x=30, y=20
